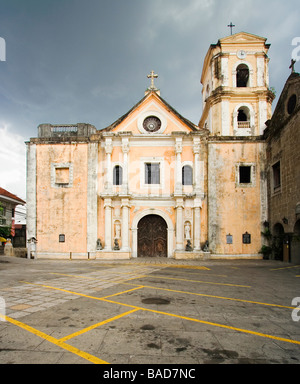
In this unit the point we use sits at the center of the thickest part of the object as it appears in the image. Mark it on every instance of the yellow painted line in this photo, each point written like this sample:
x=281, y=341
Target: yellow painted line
x=68, y=275
x=123, y=273
x=196, y=281
x=178, y=316
x=277, y=269
x=216, y=297
x=80, y=294
x=120, y=293
x=227, y=327
x=199, y=274
x=183, y=266
x=97, y=325
x=137, y=265
x=55, y=341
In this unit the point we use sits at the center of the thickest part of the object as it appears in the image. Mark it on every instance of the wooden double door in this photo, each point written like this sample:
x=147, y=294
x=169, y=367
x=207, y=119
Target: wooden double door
x=152, y=237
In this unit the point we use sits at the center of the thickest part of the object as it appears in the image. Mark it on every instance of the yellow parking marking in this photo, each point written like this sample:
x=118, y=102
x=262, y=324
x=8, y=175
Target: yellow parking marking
x=120, y=293
x=159, y=265
x=55, y=341
x=97, y=325
x=215, y=297
x=196, y=281
x=183, y=266
x=277, y=269
x=176, y=316
x=67, y=274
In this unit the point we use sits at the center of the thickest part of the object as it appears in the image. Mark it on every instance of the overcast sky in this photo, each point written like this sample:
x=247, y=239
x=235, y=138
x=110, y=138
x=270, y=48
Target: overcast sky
x=70, y=61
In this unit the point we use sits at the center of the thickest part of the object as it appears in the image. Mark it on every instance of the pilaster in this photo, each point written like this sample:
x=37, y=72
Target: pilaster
x=108, y=222
x=178, y=167
x=179, y=224
x=31, y=195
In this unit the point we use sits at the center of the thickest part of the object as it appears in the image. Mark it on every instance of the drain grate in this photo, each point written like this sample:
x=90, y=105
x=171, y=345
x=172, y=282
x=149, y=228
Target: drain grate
x=155, y=300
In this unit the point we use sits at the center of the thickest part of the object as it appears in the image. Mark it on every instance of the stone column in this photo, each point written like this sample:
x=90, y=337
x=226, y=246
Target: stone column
x=109, y=175
x=125, y=149
x=196, y=150
x=178, y=168
x=125, y=225
x=108, y=221
x=197, y=224
x=179, y=225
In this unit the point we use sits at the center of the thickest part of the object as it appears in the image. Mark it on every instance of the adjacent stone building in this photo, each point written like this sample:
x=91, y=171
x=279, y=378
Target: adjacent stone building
x=283, y=165
x=155, y=184
x=8, y=204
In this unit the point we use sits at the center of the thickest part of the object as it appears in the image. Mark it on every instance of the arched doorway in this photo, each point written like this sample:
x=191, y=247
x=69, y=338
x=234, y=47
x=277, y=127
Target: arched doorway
x=152, y=237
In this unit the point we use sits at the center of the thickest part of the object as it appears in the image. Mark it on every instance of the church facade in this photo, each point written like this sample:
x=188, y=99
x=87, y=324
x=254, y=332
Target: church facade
x=154, y=184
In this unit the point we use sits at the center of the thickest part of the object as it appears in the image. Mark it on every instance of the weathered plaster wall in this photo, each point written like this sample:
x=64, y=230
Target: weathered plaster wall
x=233, y=208
x=61, y=209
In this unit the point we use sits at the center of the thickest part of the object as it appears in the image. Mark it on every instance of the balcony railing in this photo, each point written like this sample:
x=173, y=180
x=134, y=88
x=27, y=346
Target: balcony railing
x=244, y=124
x=64, y=129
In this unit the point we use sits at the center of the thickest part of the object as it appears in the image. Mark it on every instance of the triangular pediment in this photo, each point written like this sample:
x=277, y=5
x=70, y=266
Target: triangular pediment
x=242, y=37
x=152, y=105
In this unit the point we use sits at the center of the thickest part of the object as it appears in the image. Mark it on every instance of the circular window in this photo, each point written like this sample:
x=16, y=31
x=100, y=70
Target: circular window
x=152, y=124
x=291, y=104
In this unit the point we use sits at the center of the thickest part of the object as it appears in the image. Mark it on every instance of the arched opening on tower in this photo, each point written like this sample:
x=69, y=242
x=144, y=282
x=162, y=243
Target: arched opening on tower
x=242, y=76
x=243, y=117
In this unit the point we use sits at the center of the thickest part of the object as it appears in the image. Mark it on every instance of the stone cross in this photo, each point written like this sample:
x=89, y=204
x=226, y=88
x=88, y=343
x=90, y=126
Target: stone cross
x=231, y=26
x=152, y=76
x=292, y=66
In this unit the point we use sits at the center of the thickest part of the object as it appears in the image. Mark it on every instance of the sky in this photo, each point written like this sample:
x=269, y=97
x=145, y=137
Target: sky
x=87, y=61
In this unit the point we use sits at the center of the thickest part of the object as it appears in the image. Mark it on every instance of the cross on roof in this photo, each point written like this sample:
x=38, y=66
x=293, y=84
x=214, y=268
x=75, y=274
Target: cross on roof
x=292, y=66
x=152, y=76
x=231, y=26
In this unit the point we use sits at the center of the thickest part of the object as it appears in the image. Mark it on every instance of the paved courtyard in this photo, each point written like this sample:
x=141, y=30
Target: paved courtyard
x=149, y=311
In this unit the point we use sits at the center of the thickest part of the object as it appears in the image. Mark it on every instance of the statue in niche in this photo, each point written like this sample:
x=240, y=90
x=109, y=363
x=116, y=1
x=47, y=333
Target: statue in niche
x=99, y=245
x=116, y=245
x=188, y=246
x=205, y=248
x=187, y=231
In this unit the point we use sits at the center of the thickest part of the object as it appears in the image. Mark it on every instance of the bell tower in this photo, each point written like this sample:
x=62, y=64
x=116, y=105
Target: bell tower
x=237, y=100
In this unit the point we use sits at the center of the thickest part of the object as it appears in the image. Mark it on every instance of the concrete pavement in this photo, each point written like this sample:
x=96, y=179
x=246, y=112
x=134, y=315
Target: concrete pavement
x=149, y=311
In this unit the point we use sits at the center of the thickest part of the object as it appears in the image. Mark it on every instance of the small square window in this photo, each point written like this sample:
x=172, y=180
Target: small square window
x=62, y=176
x=245, y=174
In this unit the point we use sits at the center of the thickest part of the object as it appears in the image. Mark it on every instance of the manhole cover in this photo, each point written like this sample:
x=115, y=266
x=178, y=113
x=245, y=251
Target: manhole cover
x=155, y=300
